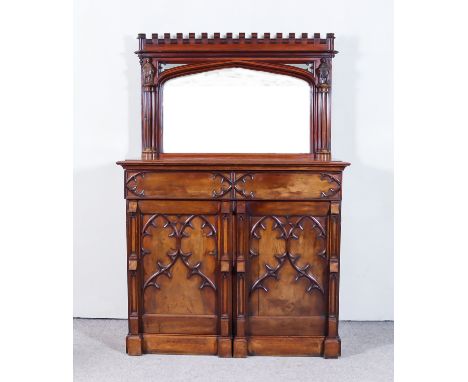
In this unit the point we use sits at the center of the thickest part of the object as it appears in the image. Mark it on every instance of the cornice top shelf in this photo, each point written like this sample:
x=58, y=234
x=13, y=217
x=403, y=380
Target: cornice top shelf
x=229, y=41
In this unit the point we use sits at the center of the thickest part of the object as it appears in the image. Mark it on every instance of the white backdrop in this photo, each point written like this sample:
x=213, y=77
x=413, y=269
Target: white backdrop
x=107, y=129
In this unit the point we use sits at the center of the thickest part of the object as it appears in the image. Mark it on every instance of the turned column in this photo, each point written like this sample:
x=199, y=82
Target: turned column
x=150, y=135
x=322, y=133
x=225, y=297
x=133, y=337
x=240, y=341
x=332, y=345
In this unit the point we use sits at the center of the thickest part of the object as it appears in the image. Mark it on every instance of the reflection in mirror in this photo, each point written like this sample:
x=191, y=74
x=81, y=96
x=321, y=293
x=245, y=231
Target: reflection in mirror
x=236, y=111
x=163, y=66
x=309, y=66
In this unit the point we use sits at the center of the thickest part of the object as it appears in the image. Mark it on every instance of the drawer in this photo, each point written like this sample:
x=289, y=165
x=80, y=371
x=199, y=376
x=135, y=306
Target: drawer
x=290, y=186
x=171, y=185
x=212, y=185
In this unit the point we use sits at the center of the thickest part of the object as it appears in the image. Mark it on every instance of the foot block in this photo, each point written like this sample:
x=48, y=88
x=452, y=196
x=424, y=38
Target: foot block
x=240, y=348
x=332, y=348
x=133, y=344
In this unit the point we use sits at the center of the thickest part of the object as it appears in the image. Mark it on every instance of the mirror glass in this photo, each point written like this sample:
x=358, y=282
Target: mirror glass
x=236, y=110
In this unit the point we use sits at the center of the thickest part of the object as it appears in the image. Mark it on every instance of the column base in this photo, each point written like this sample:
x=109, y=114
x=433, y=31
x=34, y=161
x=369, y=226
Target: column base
x=240, y=348
x=332, y=347
x=134, y=343
x=224, y=347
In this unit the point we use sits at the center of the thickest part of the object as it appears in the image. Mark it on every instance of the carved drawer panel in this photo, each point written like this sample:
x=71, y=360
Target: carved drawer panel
x=215, y=185
x=292, y=186
x=171, y=185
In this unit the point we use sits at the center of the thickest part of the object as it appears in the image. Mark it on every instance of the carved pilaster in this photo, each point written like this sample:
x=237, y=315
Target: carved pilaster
x=240, y=342
x=332, y=346
x=149, y=109
x=225, y=237
x=133, y=280
x=322, y=137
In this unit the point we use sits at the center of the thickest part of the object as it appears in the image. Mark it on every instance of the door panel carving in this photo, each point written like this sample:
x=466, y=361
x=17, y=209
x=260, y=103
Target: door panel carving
x=288, y=265
x=179, y=263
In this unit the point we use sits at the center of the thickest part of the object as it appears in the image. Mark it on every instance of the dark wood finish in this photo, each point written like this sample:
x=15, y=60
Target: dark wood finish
x=266, y=185
x=234, y=254
x=270, y=54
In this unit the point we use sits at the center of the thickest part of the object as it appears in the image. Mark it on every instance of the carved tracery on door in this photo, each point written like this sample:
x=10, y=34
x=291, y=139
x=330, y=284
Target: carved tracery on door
x=179, y=251
x=280, y=242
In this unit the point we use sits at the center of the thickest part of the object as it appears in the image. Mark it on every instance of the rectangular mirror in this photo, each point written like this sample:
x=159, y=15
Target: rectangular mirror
x=236, y=110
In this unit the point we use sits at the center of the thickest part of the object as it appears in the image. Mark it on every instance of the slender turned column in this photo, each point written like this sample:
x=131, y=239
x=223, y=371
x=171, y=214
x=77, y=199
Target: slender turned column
x=225, y=237
x=240, y=342
x=150, y=135
x=332, y=346
x=133, y=337
x=322, y=136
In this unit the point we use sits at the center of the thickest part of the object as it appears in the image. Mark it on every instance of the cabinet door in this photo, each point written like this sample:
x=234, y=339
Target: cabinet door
x=181, y=288
x=284, y=247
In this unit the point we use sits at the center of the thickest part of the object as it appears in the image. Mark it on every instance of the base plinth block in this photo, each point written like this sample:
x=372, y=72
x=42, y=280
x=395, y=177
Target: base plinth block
x=224, y=347
x=332, y=348
x=240, y=348
x=133, y=344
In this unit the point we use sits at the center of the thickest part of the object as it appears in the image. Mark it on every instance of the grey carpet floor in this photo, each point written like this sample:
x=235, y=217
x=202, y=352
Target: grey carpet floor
x=99, y=355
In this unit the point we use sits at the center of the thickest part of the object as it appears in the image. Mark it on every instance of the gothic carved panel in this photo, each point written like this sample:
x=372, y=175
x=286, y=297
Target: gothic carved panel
x=233, y=184
x=132, y=185
x=332, y=191
x=289, y=229
x=179, y=228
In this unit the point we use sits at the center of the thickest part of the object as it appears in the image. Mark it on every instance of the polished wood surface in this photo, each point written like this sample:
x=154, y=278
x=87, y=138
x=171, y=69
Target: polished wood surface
x=234, y=254
x=266, y=185
x=273, y=54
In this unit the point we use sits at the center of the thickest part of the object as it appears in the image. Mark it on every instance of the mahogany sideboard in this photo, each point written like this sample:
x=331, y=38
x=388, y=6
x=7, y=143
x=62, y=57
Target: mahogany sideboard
x=234, y=254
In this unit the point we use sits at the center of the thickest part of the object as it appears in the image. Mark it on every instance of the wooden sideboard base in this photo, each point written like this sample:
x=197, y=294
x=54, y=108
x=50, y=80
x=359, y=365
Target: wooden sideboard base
x=239, y=348
x=285, y=346
x=179, y=344
x=332, y=348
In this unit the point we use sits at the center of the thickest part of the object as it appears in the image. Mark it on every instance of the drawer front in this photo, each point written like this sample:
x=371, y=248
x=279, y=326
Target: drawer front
x=171, y=185
x=213, y=185
x=291, y=186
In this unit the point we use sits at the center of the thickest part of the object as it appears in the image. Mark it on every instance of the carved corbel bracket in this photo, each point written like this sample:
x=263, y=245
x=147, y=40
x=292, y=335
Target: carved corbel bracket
x=148, y=72
x=323, y=73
